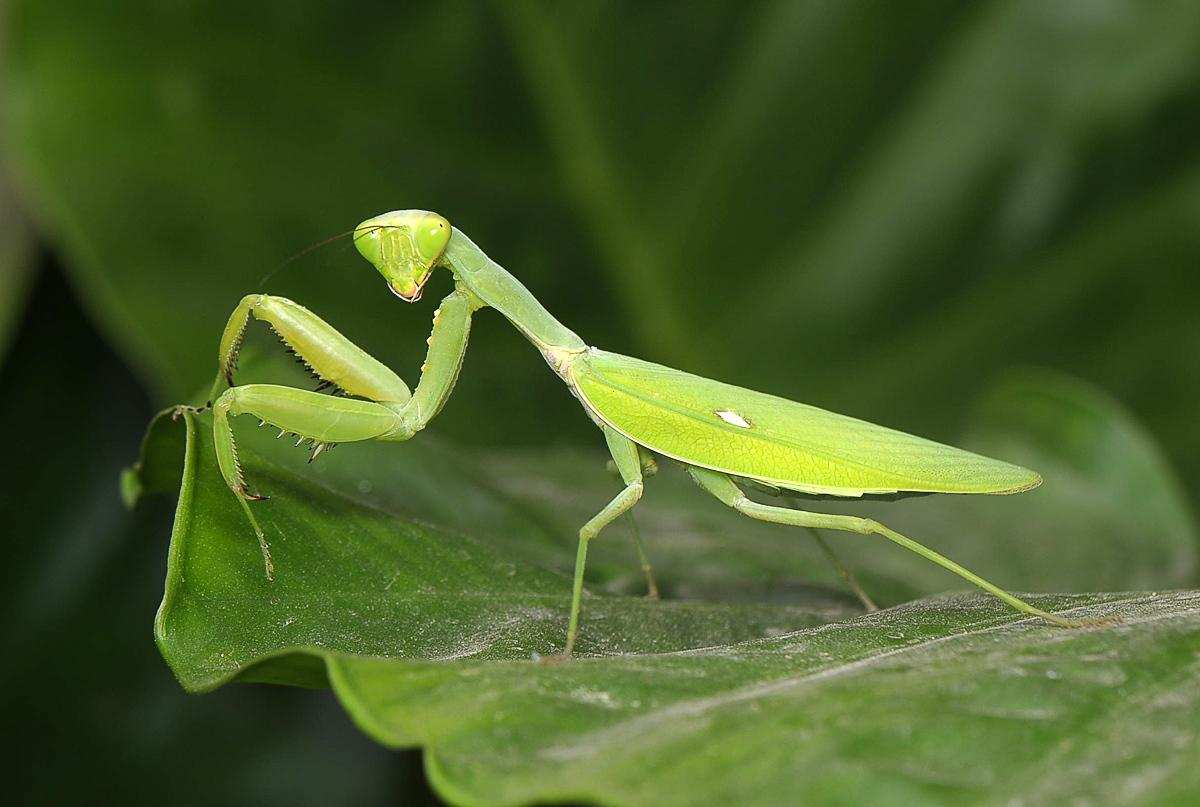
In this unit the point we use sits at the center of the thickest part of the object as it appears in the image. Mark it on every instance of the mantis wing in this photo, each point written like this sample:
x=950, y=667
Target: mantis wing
x=791, y=445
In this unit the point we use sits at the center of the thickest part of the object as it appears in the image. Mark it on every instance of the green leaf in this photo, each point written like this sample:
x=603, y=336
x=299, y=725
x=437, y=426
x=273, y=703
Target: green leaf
x=940, y=701
x=431, y=638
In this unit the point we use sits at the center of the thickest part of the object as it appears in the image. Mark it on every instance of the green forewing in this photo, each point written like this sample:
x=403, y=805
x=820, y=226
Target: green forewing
x=792, y=445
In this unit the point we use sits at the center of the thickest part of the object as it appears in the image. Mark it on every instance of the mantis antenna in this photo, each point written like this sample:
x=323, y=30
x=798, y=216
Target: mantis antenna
x=309, y=249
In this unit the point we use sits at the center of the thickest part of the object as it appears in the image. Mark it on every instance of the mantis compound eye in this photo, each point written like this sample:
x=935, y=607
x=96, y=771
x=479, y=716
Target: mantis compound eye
x=431, y=235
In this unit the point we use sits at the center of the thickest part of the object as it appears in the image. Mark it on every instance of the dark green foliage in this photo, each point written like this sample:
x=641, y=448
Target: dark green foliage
x=870, y=207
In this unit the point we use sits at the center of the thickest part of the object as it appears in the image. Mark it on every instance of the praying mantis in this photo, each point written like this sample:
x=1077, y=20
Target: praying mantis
x=726, y=437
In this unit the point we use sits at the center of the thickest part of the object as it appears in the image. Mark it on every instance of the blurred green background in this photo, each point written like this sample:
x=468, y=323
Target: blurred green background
x=877, y=208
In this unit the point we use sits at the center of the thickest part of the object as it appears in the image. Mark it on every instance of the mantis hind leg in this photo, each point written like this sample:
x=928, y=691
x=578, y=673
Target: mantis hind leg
x=843, y=571
x=321, y=419
x=652, y=592
x=625, y=454
x=723, y=488
x=331, y=357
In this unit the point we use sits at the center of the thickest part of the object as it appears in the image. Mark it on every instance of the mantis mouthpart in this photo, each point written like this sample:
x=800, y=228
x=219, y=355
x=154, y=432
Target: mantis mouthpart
x=719, y=432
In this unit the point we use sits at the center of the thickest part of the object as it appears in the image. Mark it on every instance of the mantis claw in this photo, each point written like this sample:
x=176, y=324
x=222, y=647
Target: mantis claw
x=245, y=494
x=184, y=408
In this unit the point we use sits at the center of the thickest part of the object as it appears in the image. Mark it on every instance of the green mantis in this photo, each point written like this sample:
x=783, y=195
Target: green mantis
x=724, y=435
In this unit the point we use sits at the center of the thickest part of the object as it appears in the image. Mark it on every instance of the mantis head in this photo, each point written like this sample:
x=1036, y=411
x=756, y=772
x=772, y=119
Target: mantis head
x=405, y=246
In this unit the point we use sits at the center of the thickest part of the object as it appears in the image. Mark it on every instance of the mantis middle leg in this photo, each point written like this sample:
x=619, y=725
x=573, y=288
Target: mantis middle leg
x=625, y=455
x=723, y=488
x=649, y=468
x=842, y=570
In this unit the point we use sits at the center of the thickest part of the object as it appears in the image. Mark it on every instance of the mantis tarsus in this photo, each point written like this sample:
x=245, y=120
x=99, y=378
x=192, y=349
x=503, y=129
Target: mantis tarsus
x=717, y=431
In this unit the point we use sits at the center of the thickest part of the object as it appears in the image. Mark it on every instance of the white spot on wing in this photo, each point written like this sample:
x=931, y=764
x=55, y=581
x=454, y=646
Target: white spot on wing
x=733, y=418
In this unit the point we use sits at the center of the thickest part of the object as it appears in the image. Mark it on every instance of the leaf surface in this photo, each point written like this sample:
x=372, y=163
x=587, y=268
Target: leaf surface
x=431, y=638
x=940, y=701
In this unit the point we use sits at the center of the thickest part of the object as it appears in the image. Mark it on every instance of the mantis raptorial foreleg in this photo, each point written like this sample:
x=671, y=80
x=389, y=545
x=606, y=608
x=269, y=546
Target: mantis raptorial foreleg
x=723, y=488
x=447, y=347
x=625, y=454
x=329, y=355
x=323, y=420
x=391, y=414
